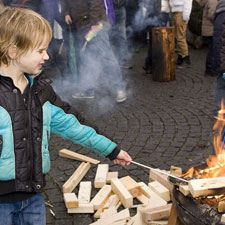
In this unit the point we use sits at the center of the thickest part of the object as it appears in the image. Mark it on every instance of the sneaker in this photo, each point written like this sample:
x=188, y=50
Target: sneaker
x=179, y=60
x=83, y=95
x=121, y=96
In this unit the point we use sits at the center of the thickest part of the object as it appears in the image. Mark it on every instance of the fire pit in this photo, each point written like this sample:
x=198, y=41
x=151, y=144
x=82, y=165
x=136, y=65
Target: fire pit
x=192, y=211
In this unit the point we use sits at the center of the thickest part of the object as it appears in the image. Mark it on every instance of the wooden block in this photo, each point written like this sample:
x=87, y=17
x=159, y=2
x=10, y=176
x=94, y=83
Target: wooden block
x=110, y=176
x=184, y=189
x=83, y=208
x=176, y=171
x=173, y=219
x=77, y=176
x=123, y=194
x=84, y=194
x=76, y=156
x=143, y=199
x=154, y=199
x=101, y=175
x=158, y=213
x=121, y=222
x=160, y=190
x=223, y=218
x=161, y=178
x=131, y=185
x=160, y=222
x=108, y=212
x=221, y=206
x=101, y=196
x=112, y=201
x=122, y=215
x=70, y=200
x=205, y=187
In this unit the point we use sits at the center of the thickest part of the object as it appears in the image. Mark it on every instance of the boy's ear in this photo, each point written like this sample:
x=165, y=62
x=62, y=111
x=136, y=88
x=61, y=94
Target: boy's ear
x=12, y=51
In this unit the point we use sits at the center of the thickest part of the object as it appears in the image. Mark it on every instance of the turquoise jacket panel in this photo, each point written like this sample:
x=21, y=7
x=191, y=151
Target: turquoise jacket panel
x=7, y=157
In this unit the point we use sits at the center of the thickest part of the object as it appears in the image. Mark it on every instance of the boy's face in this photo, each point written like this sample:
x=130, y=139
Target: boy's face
x=32, y=61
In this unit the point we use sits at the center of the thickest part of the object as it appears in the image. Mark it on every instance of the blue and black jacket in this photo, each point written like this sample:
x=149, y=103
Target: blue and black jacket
x=25, y=128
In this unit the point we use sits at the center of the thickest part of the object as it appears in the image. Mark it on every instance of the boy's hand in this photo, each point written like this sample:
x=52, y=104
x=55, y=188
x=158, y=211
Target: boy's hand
x=123, y=158
x=68, y=19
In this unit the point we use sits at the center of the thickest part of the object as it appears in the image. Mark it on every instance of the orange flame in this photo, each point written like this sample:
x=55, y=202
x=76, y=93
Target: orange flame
x=215, y=163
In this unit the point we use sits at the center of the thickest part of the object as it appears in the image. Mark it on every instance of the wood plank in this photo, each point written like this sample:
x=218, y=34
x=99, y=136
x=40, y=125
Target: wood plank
x=161, y=178
x=101, y=175
x=173, y=219
x=76, y=156
x=108, y=212
x=84, y=194
x=205, y=187
x=123, y=194
x=221, y=206
x=122, y=215
x=70, y=200
x=131, y=185
x=154, y=199
x=101, y=196
x=176, y=171
x=154, y=214
x=77, y=176
x=112, y=201
x=143, y=199
x=223, y=218
x=110, y=176
x=184, y=189
x=160, y=190
x=83, y=208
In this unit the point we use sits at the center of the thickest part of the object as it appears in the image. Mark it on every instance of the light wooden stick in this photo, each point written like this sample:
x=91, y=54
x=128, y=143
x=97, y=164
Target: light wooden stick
x=150, y=168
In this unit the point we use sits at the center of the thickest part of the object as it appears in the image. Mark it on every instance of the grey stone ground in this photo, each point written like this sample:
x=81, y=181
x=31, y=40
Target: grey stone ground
x=161, y=124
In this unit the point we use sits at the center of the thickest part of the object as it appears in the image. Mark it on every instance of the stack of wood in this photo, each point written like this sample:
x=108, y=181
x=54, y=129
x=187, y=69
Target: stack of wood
x=118, y=194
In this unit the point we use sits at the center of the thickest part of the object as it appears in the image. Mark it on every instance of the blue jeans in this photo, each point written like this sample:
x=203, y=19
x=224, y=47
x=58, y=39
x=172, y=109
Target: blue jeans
x=27, y=212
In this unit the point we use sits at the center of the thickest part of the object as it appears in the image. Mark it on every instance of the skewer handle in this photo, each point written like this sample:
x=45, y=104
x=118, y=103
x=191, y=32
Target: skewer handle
x=150, y=168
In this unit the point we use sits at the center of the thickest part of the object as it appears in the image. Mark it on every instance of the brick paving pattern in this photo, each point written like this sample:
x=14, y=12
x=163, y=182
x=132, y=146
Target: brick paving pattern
x=161, y=124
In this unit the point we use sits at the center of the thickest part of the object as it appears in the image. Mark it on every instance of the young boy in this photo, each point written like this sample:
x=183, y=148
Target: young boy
x=29, y=111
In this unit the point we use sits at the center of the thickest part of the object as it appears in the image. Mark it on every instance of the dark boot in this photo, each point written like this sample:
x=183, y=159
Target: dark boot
x=179, y=60
x=185, y=62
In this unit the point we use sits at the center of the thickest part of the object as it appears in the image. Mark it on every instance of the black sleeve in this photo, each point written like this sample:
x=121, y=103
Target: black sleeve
x=114, y=154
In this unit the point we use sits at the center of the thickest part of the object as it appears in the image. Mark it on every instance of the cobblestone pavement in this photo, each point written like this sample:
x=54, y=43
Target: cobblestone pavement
x=161, y=124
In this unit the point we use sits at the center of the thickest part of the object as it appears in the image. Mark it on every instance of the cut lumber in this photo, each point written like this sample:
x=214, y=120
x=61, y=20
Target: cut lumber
x=122, y=215
x=121, y=222
x=131, y=185
x=108, y=212
x=160, y=190
x=173, y=219
x=221, y=206
x=208, y=186
x=223, y=218
x=101, y=196
x=160, y=222
x=112, y=201
x=176, y=171
x=123, y=194
x=154, y=199
x=184, y=189
x=143, y=199
x=83, y=208
x=110, y=176
x=84, y=194
x=76, y=156
x=101, y=175
x=77, y=176
x=161, y=178
x=70, y=200
x=154, y=214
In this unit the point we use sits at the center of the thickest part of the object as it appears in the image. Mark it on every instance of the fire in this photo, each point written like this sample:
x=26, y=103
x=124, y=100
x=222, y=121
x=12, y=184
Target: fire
x=215, y=163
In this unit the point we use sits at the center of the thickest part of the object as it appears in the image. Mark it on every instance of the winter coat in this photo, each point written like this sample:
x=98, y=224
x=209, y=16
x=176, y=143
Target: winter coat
x=183, y=6
x=119, y=3
x=29, y=4
x=209, y=7
x=220, y=7
x=84, y=13
x=109, y=9
x=25, y=129
x=165, y=6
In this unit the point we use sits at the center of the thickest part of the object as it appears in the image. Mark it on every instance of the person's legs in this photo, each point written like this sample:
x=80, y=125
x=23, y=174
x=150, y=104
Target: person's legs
x=209, y=57
x=6, y=213
x=220, y=93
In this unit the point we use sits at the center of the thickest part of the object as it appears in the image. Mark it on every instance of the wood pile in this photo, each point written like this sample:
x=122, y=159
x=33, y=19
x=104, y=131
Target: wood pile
x=116, y=196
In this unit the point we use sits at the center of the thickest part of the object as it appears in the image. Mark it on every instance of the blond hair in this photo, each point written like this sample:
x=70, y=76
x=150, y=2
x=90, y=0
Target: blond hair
x=24, y=29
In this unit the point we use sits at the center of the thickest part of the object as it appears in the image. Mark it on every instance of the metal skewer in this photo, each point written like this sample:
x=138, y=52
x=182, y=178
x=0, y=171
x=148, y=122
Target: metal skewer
x=150, y=168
